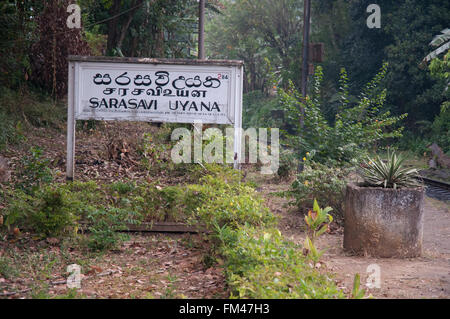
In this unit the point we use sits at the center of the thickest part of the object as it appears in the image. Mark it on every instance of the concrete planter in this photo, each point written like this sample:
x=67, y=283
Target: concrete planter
x=383, y=222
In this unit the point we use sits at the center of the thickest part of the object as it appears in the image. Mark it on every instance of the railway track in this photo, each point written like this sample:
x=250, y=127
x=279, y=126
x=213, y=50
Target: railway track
x=437, y=189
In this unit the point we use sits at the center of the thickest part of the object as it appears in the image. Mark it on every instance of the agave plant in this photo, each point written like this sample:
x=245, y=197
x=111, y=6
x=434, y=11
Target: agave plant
x=389, y=173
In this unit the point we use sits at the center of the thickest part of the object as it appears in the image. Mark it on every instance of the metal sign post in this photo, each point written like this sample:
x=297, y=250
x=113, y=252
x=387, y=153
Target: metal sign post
x=305, y=68
x=153, y=90
x=201, y=29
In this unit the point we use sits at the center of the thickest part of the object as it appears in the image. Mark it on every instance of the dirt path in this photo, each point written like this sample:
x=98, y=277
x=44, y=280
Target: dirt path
x=155, y=266
x=424, y=277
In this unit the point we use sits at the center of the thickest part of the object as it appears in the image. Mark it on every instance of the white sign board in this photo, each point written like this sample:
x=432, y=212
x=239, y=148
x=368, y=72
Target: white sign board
x=153, y=90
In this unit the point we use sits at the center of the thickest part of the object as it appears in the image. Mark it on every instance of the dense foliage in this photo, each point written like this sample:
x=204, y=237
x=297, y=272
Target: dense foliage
x=406, y=28
x=265, y=34
x=317, y=181
x=37, y=44
x=356, y=127
x=36, y=40
x=156, y=28
x=272, y=54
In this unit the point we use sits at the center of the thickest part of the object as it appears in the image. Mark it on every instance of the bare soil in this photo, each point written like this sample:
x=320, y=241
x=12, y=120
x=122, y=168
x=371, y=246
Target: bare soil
x=156, y=266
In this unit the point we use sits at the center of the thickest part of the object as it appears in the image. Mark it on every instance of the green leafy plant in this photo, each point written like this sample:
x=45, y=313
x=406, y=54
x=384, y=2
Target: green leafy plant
x=122, y=188
x=288, y=163
x=258, y=262
x=321, y=182
x=356, y=125
x=34, y=171
x=317, y=221
x=311, y=251
x=9, y=133
x=389, y=173
x=259, y=109
x=156, y=202
x=233, y=204
x=441, y=126
x=104, y=225
x=440, y=69
x=357, y=292
x=50, y=211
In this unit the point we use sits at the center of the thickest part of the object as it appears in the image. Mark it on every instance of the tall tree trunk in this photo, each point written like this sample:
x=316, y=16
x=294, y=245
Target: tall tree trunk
x=113, y=26
x=252, y=67
x=159, y=43
x=124, y=30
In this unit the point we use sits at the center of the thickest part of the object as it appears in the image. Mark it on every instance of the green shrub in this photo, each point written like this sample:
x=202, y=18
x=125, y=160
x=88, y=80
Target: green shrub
x=220, y=202
x=440, y=69
x=96, y=40
x=260, y=264
x=33, y=171
x=227, y=173
x=122, y=188
x=318, y=181
x=318, y=220
x=105, y=224
x=355, y=128
x=258, y=110
x=155, y=202
x=414, y=143
x=425, y=133
x=50, y=211
x=88, y=191
x=288, y=163
x=10, y=133
x=441, y=128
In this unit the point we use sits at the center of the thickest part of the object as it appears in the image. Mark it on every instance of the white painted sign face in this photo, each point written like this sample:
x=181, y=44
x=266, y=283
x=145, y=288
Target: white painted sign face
x=156, y=92
x=153, y=90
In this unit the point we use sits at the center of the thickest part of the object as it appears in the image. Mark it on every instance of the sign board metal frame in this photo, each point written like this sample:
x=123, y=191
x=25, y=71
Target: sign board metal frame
x=82, y=69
